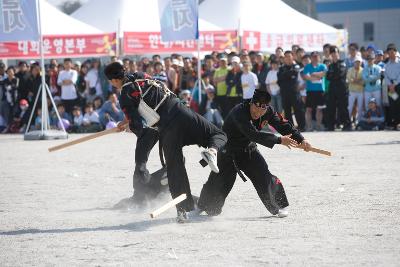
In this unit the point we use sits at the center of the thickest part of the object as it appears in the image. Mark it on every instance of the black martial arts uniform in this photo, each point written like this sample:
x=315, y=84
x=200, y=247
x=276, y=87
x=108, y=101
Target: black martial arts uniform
x=178, y=127
x=241, y=154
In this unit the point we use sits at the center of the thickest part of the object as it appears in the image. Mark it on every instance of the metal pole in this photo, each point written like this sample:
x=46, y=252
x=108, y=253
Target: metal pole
x=199, y=69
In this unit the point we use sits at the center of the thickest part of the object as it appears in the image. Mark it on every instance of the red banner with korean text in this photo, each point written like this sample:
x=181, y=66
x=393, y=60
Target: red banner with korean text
x=151, y=42
x=309, y=41
x=62, y=46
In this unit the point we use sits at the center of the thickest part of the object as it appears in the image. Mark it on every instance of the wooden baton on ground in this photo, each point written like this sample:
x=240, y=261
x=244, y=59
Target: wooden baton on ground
x=168, y=205
x=83, y=139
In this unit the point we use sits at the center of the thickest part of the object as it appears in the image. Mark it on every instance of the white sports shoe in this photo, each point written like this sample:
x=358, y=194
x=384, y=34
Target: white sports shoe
x=210, y=156
x=283, y=213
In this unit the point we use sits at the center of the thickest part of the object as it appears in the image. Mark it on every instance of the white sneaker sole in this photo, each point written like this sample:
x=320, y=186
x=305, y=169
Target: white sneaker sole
x=213, y=166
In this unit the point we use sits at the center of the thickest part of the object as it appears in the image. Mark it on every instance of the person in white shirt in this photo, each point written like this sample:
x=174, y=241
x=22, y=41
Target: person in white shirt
x=93, y=84
x=273, y=88
x=67, y=79
x=249, y=81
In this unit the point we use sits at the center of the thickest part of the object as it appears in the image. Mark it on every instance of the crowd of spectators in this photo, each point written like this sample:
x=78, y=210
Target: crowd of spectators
x=316, y=91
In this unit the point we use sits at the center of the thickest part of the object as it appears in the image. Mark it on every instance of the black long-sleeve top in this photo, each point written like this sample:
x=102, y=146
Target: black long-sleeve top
x=129, y=101
x=242, y=131
x=337, y=72
x=287, y=78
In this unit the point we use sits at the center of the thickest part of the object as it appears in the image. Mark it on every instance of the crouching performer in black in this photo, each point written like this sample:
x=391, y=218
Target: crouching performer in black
x=243, y=127
x=148, y=104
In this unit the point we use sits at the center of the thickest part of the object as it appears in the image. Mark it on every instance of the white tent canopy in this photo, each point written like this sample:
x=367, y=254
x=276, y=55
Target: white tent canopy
x=55, y=22
x=126, y=16
x=272, y=16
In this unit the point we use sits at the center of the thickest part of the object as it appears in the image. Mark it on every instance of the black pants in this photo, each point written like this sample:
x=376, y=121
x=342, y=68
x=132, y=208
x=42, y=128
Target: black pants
x=269, y=188
x=187, y=128
x=293, y=100
x=394, y=109
x=338, y=99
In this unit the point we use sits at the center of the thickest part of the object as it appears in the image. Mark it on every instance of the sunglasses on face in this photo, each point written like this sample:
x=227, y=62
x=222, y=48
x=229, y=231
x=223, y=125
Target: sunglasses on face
x=262, y=106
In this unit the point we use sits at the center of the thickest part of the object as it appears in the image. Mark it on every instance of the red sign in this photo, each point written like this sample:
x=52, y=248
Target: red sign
x=309, y=41
x=62, y=46
x=151, y=42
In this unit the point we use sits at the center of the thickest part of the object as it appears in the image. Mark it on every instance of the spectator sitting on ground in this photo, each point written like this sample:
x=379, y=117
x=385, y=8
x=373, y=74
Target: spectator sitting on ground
x=38, y=119
x=97, y=104
x=63, y=115
x=77, y=120
x=91, y=121
x=111, y=110
x=373, y=118
x=209, y=109
x=21, y=117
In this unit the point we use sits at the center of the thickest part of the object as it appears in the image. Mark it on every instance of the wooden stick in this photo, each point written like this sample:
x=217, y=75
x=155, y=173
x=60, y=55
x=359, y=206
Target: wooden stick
x=83, y=139
x=168, y=205
x=319, y=151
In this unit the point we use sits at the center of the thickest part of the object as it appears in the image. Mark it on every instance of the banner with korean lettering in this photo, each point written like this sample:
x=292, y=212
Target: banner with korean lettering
x=152, y=42
x=309, y=41
x=62, y=46
x=179, y=19
x=18, y=20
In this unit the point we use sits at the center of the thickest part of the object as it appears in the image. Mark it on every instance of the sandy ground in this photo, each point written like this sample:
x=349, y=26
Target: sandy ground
x=57, y=208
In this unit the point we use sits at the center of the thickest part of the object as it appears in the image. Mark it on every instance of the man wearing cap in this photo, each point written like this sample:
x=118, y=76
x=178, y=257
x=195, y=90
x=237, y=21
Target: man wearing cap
x=392, y=79
x=372, y=78
x=338, y=92
x=234, y=84
x=220, y=84
x=147, y=104
x=356, y=87
x=243, y=127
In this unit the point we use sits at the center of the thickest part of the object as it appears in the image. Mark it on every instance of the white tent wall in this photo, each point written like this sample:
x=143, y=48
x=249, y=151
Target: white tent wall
x=55, y=22
x=126, y=16
x=267, y=17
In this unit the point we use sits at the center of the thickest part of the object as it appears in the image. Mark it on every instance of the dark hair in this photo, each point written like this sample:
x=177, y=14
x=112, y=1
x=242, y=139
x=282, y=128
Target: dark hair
x=354, y=45
x=333, y=49
x=306, y=56
x=280, y=48
x=300, y=50
x=326, y=46
x=60, y=105
x=273, y=61
x=89, y=105
x=67, y=60
x=76, y=108
x=114, y=71
x=391, y=46
x=10, y=68
x=288, y=52
x=155, y=56
x=261, y=96
x=157, y=63
x=22, y=63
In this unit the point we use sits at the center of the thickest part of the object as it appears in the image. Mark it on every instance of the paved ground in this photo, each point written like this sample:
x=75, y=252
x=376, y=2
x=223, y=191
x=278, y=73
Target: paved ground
x=57, y=208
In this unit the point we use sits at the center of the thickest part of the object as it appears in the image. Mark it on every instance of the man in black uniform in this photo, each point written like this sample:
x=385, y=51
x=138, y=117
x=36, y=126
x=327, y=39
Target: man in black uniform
x=177, y=126
x=288, y=82
x=338, y=92
x=243, y=127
